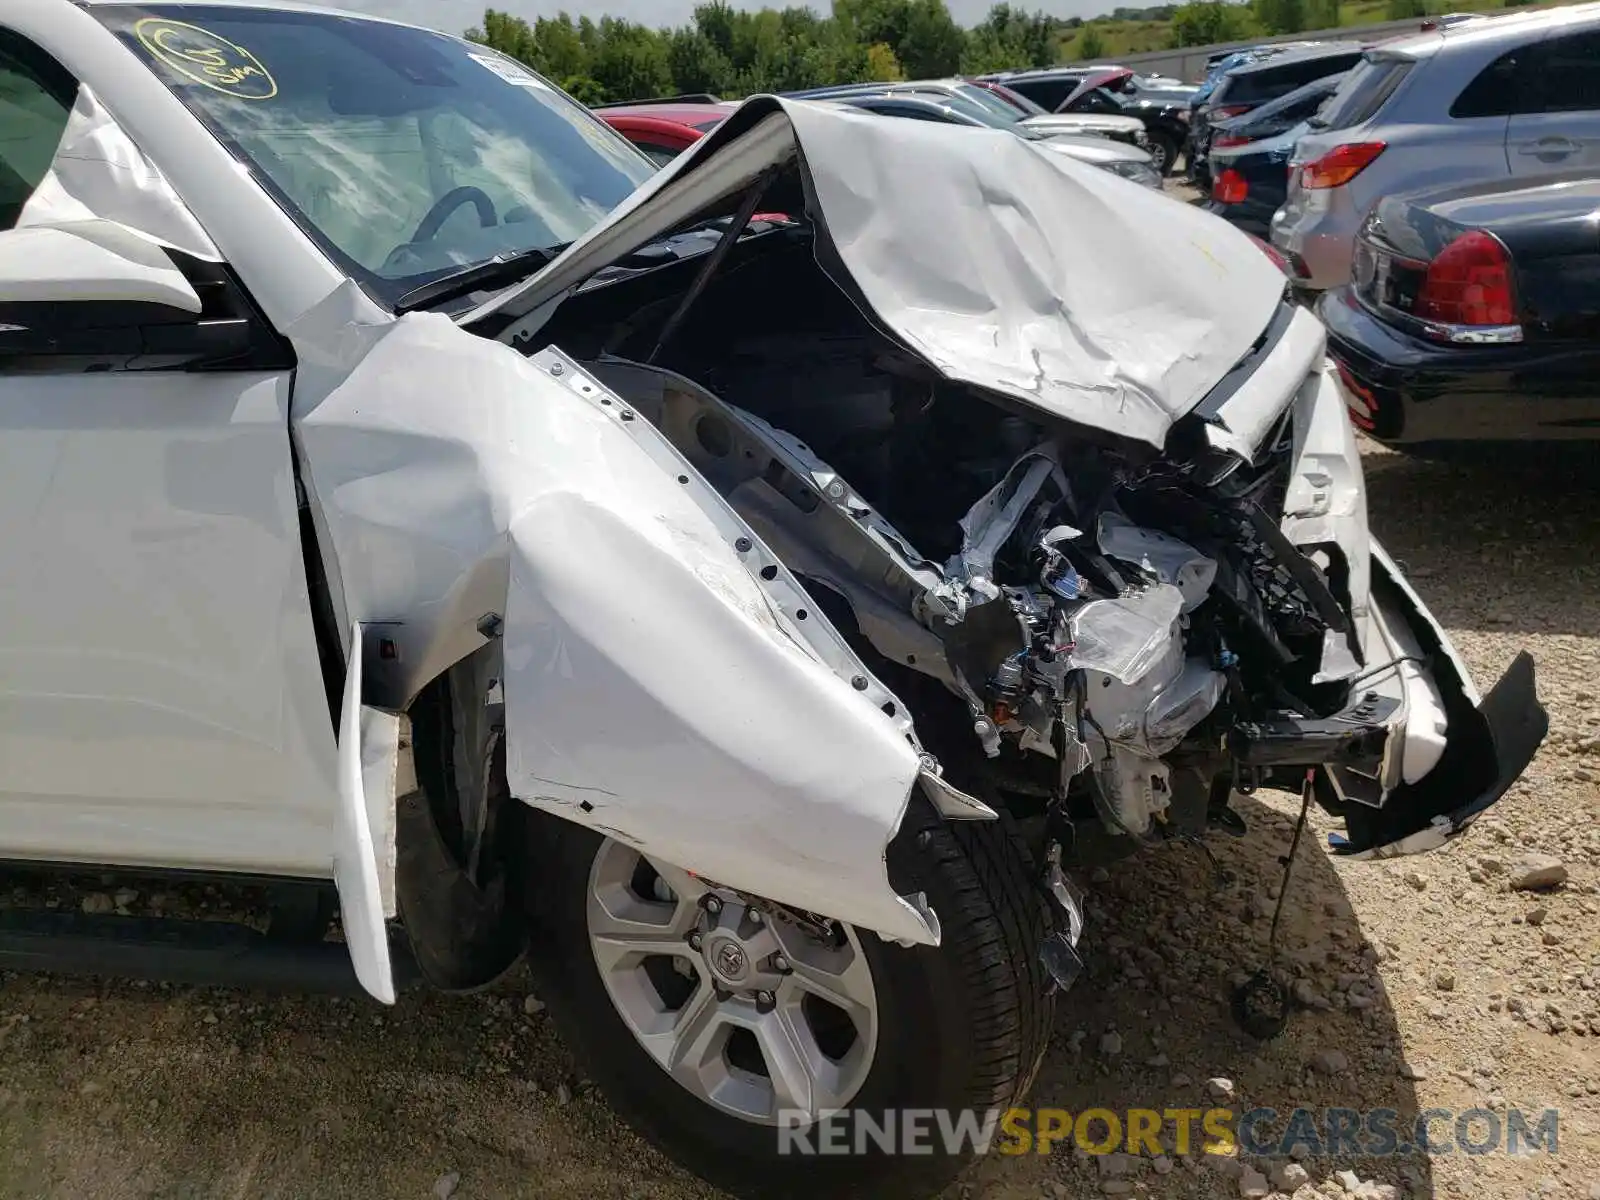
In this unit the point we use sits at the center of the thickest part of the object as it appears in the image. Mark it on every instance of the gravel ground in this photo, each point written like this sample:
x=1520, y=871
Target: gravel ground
x=1433, y=984
x=1430, y=982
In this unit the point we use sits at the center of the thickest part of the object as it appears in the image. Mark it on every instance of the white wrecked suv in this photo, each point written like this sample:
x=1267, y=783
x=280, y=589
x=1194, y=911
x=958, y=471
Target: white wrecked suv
x=773, y=613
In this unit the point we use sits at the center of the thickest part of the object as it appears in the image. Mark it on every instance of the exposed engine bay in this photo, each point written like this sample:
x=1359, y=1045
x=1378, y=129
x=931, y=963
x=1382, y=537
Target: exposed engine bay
x=1084, y=630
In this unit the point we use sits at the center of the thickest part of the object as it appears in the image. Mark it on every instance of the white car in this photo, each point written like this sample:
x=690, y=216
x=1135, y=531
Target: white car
x=773, y=613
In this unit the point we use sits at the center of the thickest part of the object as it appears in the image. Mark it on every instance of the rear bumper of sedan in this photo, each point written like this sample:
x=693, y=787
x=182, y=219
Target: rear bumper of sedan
x=1402, y=389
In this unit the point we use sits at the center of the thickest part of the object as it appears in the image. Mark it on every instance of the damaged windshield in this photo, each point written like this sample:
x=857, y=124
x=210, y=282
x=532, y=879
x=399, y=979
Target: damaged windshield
x=406, y=154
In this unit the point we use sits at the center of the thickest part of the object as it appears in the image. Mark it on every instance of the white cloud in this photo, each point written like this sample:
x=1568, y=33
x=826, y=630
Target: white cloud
x=453, y=16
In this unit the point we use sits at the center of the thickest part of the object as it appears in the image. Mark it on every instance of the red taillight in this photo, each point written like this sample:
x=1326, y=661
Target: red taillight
x=1223, y=140
x=1468, y=283
x=1340, y=165
x=1226, y=111
x=1230, y=187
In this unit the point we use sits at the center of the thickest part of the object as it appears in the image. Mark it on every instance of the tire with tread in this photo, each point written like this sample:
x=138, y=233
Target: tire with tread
x=961, y=1025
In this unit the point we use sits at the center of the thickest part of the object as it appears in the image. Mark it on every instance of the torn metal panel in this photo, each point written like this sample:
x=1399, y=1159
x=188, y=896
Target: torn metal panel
x=1056, y=284
x=810, y=517
x=951, y=802
x=1326, y=506
x=1034, y=483
x=658, y=685
x=355, y=853
x=99, y=172
x=380, y=786
x=1250, y=402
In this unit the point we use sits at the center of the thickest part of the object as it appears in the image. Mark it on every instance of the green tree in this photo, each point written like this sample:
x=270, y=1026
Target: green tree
x=872, y=21
x=882, y=65
x=697, y=65
x=1400, y=10
x=932, y=43
x=1322, y=14
x=503, y=32
x=558, y=48
x=630, y=61
x=733, y=52
x=1203, y=22
x=584, y=90
x=1008, y=38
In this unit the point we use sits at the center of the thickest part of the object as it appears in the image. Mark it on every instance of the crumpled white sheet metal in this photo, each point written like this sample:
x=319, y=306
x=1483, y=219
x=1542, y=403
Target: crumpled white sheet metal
x=655, y=688
x=990, y=522
x=98, y=172
x=1000, y=263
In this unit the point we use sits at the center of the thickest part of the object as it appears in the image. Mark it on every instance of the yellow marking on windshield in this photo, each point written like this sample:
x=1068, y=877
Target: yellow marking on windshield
x=206, y=58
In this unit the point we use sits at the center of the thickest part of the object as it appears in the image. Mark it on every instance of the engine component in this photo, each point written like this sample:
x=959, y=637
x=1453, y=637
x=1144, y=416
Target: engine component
x=1159, y=555
x=1125, y=638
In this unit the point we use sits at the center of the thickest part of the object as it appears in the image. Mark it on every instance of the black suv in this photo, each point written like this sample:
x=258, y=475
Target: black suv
x=1165, y=116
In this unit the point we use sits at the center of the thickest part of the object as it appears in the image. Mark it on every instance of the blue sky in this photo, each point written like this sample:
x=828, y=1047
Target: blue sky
x=455, y=15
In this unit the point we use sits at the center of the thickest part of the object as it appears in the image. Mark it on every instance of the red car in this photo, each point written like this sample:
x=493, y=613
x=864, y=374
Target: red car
x=665, y=128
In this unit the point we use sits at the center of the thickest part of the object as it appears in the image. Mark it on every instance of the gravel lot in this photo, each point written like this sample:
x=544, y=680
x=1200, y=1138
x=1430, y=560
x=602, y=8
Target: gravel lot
x=1432, y=982
x=1474, y=995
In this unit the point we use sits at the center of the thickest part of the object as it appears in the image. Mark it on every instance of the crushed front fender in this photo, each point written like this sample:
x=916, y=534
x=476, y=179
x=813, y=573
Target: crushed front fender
x=663, y=684
x=666, y=679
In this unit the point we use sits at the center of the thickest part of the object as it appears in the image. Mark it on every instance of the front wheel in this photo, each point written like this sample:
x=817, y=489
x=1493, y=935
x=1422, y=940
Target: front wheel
x=723, y=1027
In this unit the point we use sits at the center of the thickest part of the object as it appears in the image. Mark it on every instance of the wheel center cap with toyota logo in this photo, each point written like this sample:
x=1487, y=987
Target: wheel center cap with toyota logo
x=728, y=960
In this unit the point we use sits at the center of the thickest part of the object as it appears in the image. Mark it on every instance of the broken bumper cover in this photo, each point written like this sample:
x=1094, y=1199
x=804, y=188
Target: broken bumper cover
x=1414, y=760
x=1490, y=747
x=1423, y=754
x=1451, y=753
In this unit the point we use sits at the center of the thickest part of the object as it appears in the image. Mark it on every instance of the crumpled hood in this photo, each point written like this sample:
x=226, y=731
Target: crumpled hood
x=1002, y=264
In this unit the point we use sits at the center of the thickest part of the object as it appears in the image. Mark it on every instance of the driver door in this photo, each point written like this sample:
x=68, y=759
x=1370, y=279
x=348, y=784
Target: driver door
x=161, y=700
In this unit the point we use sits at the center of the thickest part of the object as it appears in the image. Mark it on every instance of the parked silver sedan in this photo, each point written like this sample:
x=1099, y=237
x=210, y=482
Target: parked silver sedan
x=1504, y=97
x=1130, y=162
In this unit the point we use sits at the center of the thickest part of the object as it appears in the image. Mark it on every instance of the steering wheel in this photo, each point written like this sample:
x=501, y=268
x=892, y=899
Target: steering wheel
x=448, y=203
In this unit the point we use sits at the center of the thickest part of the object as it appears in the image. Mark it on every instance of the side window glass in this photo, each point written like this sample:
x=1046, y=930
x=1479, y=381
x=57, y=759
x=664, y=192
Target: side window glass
x=36, y=97
x=1567, y=70
x=1048, y=93
x=1499, y=89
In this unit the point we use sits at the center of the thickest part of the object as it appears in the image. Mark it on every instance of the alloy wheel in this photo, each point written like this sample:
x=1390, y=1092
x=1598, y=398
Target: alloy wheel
x=745, y=1007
